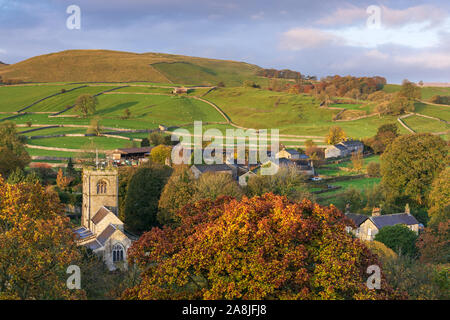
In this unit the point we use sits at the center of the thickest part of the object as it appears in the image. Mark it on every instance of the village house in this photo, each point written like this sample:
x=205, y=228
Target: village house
x=344, y=149
x=199, y=169
x=288, y=154
x=305, y=167
x=368, y=226
x=101, y=230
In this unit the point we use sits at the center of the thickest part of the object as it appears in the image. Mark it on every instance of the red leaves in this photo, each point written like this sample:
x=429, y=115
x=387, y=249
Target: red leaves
x=259, y=248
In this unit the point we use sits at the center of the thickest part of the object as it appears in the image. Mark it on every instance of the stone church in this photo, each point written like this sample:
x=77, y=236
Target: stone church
x=101, y=230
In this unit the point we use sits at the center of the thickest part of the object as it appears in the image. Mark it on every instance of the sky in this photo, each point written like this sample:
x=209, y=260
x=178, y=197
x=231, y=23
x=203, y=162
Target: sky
x=396, y=39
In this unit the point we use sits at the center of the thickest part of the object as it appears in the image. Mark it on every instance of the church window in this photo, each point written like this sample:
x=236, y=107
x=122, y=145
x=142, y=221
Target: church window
x=101, y=186
x=117, y=253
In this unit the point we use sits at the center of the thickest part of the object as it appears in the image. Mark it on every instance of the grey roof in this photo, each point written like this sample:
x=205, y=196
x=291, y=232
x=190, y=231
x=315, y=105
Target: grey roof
x=212, y=167
x=82, y=233
x=93, y=245
x=352, y=143
x=340, y=147
x=393, y=219
x=357, y=219
x=292, y=151
x=109, y=230
x=101, y=213
x=301, y=164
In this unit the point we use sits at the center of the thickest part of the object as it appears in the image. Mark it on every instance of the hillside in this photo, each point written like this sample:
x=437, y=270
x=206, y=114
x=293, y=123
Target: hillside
x=116, y=66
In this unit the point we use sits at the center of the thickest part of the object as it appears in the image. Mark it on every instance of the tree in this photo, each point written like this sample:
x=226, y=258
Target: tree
x=258, y=248
x=141, y=201
x=434, y=244
x=126, y=114
x=357, y=161
x=37, y=244
x=335, y=135
x=439, y=199
x=145, y=142
x=61, y=181
x=179, y=191
x=161, y=153
x=212, y=185
x=373, y=169
x=410, y=90
x=386, y=134
x=86, y=104
x=12, y=150
x=286, y=182
x=94, y=128
x=399, y=238
x=410, y=164
x=157, y=138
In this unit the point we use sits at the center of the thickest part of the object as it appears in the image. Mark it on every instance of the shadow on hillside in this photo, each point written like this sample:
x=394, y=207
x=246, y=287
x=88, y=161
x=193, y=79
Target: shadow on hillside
x=113, y=109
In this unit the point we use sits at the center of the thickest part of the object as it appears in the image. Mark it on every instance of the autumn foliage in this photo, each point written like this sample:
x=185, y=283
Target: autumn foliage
x=256, y=248
x=37, y=244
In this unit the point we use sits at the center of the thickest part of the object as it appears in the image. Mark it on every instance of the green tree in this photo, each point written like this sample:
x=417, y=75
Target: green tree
x=12, y=150
x=212, y=185
x=410, y=90
x=286, y=182
x=439, y=198
x=179, y=191
x=94, y=127
x=141, y=201
x=373, y=169
x=399, y=238
x=161, y=153
x=86, y=104
x=145, y=142
x=410, y=164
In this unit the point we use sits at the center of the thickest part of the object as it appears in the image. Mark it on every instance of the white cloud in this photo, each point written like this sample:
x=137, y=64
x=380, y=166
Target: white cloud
x=304, y=38
x=431, y=60
x=344, y=16
x=2, y=51
x=428, y=14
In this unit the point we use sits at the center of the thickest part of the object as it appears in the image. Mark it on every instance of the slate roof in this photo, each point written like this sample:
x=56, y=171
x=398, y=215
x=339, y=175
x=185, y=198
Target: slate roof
x=357, y=219
x=82, y=233
x=292, y=151
x=393, y=219
x=109, y=230
x=351, y=143
x=93, y=245
x=212, y=167
x=101, y=213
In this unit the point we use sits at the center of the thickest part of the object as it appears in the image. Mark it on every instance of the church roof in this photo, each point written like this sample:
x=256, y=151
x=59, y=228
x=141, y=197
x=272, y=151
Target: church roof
x=101, y=213
x=93, y=245
x=109, y=230
x=83, y=233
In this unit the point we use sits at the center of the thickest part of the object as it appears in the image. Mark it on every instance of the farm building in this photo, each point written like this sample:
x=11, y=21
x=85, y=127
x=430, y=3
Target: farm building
x=367, y=227
x=305, y=167
x=199, y=169
x=180, y=90
x=344, y=149
x=130, y=153
x=288, y=154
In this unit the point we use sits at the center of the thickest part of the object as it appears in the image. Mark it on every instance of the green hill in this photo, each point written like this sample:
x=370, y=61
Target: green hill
x=116, y=66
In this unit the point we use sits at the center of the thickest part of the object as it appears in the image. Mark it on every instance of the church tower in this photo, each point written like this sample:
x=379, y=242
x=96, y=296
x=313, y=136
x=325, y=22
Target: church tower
x=100, y=189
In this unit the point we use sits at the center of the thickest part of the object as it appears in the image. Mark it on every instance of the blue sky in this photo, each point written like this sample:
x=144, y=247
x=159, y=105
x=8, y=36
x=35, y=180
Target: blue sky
x=411, y=39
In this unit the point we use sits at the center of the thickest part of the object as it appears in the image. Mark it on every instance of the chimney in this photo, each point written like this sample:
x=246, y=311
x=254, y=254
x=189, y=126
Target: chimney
x=407, y=210
x=376, y=212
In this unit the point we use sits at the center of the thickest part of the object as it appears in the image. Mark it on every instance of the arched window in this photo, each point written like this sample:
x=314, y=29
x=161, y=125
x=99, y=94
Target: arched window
x=117, y=252
x=101, y=186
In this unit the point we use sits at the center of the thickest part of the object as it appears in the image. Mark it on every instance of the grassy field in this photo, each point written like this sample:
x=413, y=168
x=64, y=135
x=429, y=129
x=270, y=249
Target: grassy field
x=433, y=111
x=102, y=143
x=117, y=66
x=334, y=170
x=427, y=92
x=60, y=102
x=421, y=124
x=14, y=98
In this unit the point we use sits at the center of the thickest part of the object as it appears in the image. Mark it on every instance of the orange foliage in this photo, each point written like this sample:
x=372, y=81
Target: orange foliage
x=258, y=248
